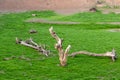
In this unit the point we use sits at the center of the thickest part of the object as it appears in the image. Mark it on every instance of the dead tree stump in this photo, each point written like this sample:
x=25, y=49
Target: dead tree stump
x=62, y=54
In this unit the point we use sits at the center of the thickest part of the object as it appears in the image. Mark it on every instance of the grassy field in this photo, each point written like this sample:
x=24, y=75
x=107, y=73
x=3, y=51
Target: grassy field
x=90, y=37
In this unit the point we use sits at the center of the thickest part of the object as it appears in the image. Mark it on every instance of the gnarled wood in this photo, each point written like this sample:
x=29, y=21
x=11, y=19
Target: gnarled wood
x=111, y=54
x=62, y=54
x=32, y=44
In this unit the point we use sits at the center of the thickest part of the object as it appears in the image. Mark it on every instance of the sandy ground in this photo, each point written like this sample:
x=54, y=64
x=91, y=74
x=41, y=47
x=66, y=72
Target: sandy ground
x=60, y=6
x=38, y=20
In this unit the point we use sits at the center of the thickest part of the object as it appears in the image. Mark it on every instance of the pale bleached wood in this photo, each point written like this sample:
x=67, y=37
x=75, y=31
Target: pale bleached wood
x=62, y=54
x=30, y=43
x=111, y=54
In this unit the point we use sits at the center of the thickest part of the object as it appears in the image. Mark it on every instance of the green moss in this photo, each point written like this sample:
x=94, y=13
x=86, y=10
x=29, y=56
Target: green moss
x=91, y=37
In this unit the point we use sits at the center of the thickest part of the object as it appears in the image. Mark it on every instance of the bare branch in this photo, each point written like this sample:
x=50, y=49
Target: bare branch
x=66, y=52
x=32, y=44
x=107, y=54
x=54, y=35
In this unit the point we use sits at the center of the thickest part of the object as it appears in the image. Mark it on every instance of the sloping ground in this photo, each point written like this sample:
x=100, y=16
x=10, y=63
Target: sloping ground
x=61, y=6
x=113, y=2
x=38, y=20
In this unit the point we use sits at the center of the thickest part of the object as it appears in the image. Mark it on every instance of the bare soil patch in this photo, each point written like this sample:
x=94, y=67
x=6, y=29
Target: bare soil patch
x=114, y=30
x=107, y=11
x=37, y=20
x=115, y=23
x=60, y=6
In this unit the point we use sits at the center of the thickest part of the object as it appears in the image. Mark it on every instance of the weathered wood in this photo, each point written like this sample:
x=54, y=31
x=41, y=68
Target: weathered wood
x=30, y=43
x=62, y=54
x=111, y=54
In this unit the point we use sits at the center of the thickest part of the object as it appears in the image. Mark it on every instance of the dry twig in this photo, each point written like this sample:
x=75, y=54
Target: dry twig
x=32, y=44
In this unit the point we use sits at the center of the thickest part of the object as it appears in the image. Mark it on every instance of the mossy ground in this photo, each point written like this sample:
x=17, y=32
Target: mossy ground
x=90, y=37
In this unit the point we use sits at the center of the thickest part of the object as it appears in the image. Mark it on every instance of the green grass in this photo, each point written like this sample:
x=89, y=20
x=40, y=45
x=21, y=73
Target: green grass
x=90, y=37
x=88, y=17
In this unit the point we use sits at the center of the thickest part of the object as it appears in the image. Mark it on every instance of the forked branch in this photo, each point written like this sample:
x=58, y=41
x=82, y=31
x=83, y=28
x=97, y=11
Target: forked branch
x=32, y=44
x=111, y=54
x=62, y=54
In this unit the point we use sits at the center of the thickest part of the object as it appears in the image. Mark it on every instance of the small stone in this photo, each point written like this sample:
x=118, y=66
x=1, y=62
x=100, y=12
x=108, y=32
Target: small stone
x=33, y=14
x=22, y=57
x=2, y=72
x=32, y=31
x=28, y=59
x=6, y=59
x=93, y=9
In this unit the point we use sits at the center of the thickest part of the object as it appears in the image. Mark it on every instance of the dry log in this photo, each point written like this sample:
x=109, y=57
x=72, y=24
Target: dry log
x=111, y=54
x=62, y=54
x=32, y=44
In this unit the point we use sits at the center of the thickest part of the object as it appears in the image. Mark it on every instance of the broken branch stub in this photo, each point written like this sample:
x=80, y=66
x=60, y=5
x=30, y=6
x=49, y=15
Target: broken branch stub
x=62, y=54
x=32, y=44
x=111, y=54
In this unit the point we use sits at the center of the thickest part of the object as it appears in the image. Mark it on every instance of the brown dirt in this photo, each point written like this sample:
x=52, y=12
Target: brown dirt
x=114, y=30
x=60, y=6
x=38, y=20
x=115, y=23
x=113, y=2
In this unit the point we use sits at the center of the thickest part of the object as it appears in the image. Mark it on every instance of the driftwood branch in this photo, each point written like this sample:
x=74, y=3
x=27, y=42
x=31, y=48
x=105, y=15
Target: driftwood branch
x=62, y=54
x=111, y=54
x=32, y=44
